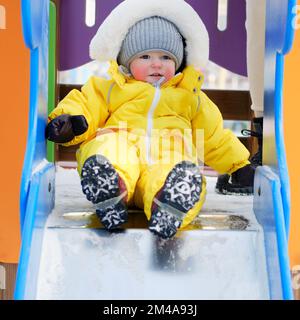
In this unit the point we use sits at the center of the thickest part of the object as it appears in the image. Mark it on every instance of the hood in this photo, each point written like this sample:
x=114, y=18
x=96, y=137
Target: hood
x=107, y=42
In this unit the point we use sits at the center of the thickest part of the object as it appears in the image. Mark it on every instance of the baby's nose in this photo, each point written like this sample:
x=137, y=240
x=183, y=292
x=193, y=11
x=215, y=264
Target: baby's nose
x=156, y=62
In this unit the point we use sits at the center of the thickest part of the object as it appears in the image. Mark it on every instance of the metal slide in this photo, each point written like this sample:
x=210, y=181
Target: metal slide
x=233, y=251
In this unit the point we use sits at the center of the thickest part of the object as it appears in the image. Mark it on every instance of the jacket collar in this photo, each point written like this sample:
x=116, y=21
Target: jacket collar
x=192, y=80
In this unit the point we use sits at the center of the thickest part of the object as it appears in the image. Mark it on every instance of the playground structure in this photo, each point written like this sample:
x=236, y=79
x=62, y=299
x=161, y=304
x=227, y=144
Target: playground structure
x=271, y=198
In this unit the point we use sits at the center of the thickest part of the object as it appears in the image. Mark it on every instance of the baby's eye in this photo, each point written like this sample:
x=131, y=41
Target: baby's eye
x=165, y=57
x=145, y=56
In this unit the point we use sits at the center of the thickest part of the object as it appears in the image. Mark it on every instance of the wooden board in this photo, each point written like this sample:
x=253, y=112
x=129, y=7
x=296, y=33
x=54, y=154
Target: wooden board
x=10, y=279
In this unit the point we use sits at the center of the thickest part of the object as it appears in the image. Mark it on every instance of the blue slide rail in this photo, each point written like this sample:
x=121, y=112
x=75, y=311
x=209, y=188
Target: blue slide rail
x=272, y=195
x=37, y=184
x=35, y=29
x=272, y=190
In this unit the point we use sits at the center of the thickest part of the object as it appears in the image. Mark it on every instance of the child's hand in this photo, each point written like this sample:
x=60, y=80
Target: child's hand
x=64, y=128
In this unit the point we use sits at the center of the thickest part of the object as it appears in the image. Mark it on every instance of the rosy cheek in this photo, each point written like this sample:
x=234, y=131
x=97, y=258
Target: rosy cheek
x=138, y=72
x=170, y=72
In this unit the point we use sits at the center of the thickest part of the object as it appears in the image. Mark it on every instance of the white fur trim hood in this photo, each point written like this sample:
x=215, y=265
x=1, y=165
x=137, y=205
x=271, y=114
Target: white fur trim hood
x=107, y=42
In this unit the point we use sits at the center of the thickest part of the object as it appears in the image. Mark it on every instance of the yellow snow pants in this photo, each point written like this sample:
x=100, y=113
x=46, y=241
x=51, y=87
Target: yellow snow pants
x=144, y=172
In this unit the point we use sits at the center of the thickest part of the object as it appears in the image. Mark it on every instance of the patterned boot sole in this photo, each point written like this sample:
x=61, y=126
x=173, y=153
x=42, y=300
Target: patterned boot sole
x=113, y=216
x=179, y=194
x=101, y=185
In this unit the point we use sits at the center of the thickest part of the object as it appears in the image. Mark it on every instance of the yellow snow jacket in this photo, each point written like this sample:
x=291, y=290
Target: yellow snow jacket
x=182, y=105
x=178, y=104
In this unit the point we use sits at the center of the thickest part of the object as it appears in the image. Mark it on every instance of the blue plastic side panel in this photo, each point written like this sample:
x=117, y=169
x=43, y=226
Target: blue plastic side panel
x=290, y=31
x=279, y=39
x=35, y=28
x=40, y=203
x=269, y=212
x=279, y=140
x=279, y=78
x=37, y=184
x=32, y=22
x=272, y=206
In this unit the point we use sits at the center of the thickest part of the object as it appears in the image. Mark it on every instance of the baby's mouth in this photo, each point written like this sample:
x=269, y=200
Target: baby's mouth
x=156, y=75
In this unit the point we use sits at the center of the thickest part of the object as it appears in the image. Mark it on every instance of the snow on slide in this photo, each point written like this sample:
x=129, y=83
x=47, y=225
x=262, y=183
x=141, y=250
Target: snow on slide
x=134, y=264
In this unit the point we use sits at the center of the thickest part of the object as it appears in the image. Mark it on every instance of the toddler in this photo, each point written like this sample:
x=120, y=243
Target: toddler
x=145, y=124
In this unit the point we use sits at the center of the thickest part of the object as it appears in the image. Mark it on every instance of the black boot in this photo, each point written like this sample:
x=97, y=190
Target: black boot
x=256, y=160
x=104, y=187
x=226, y=184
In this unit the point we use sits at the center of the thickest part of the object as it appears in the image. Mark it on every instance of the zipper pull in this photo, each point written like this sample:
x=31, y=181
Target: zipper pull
x=159, y=82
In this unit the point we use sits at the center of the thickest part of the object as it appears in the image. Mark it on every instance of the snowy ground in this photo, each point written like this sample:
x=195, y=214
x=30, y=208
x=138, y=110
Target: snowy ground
x=134, y=264
x=69, y=198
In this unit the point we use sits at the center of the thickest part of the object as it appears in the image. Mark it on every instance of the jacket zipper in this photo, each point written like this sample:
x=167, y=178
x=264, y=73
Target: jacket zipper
x=155, y=101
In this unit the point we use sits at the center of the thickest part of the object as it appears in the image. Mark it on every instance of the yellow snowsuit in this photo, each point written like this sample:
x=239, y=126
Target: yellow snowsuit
x=145, y=130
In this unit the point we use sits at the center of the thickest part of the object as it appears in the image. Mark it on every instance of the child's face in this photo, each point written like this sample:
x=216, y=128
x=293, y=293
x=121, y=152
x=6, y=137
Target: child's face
x=151, y=66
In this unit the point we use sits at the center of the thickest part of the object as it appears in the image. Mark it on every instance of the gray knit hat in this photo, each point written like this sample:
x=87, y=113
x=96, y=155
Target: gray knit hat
x=154, y=33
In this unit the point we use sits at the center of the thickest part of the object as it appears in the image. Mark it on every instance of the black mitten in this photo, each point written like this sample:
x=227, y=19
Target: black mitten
x=65, y=127
x=244, y=177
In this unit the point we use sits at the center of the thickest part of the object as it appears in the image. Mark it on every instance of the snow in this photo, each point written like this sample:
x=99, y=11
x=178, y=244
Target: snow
x=40, y=166
x=134, y=264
